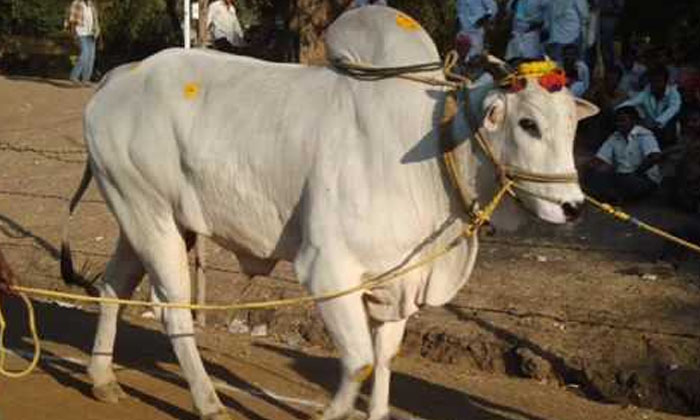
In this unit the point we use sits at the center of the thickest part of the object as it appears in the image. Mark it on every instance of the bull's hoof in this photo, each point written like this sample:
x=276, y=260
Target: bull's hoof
x=221, y=415
x=109, y=393
x=380, y=417
x=329, y=414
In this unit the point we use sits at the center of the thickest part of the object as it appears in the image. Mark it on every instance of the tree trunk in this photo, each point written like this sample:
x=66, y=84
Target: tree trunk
x=202, y=30
x=313, y=17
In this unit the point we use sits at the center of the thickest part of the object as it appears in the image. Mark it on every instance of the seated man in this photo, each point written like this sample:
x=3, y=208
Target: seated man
x=633, y=72
x=625, y=167
x=660, y=104
x=606, y=94
x=577, y=74
x=686, y=189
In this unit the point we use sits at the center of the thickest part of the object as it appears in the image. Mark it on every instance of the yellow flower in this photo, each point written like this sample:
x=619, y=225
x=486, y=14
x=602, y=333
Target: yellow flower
x=536, y=68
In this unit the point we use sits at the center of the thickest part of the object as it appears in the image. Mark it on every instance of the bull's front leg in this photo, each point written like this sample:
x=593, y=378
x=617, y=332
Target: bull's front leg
x=346, y=321
x=387, y=341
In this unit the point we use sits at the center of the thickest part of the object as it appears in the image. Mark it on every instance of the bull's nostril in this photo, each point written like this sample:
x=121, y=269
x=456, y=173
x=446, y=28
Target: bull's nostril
x=571, y=210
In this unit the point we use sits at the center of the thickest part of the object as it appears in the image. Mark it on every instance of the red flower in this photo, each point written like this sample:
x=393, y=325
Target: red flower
x=553, y=81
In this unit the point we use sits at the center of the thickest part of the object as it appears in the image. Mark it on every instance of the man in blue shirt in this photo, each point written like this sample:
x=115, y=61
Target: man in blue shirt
x=566, y=21
x=610, y=12
x=577, y=73
x=473, y=15
x=660, y=104
x=528, y=17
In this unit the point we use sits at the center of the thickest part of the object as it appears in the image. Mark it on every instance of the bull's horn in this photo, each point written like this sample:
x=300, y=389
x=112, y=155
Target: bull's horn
x=498, y=68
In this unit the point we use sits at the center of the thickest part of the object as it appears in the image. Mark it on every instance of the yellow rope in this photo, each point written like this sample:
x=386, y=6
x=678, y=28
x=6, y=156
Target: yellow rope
x=471, y=229
x=35, y=342
x=621, y=215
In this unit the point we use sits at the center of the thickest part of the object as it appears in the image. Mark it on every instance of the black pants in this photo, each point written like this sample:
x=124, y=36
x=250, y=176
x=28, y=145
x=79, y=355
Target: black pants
x=222, y=44
x=617, y=188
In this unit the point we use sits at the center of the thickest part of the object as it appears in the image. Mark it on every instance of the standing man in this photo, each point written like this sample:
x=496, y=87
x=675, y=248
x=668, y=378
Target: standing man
x=360, y=3
x=224, y=27
x=567, y=21
x=84, y=25
x=610, y=12
x=473, y=15
x=528, y=17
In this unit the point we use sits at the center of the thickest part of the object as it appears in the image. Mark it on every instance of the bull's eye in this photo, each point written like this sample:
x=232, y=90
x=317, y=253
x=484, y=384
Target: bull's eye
x=530, y=127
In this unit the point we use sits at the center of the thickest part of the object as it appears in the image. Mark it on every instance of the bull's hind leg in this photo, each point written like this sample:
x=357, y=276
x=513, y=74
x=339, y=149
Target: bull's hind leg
x=162, y=250
x=346, y=321
x=124, y=272
x=387, y=340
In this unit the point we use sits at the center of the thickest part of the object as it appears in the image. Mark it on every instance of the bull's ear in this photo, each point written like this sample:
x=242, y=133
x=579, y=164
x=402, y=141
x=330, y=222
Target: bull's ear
x=494, y=112
x=585, y=109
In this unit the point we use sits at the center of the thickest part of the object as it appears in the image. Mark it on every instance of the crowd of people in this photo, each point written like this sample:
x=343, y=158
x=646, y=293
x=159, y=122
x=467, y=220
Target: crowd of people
x=648, y=131
x=647, y=134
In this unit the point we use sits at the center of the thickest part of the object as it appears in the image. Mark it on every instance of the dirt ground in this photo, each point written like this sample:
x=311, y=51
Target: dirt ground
x=565, y=323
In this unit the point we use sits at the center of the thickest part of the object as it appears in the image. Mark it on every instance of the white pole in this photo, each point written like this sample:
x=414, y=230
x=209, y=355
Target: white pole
x=186, y=23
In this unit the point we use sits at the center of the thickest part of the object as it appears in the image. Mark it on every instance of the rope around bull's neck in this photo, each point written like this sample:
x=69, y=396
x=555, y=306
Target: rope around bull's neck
x=369, y=72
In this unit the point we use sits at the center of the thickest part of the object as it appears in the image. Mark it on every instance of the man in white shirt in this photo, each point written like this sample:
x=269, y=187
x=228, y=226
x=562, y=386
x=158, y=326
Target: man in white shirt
x=224, y=28
x=625, y=167
x=660, y=103
x=566, y=20
x=528, y=17
x=83, y=23
x=473, y=15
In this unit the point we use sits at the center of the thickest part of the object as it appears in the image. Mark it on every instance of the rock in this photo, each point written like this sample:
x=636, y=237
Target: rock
x=533, y=366
x=238, y=326
x=259, y=330
x=684, y=385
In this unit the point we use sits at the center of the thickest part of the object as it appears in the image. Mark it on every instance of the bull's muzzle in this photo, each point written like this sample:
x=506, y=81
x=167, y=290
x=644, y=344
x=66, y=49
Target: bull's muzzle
x=572, y=210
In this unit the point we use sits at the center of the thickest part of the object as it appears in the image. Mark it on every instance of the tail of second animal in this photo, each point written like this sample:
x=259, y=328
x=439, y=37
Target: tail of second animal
x=6, y=275
x=70, y=276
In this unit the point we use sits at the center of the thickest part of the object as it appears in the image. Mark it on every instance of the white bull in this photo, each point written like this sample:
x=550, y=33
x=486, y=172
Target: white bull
x=341, y=176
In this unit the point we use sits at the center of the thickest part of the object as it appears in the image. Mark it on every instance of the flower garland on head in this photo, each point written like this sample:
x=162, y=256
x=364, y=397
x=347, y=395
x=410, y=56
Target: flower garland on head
x=553, y=81
x=548, y=74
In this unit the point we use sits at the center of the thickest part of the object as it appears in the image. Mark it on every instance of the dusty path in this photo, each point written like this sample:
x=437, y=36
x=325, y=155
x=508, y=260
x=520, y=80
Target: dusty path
x=570, y=307
x=262, y=379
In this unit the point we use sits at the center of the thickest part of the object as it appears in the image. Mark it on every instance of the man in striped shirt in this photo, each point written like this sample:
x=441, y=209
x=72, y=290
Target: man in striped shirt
x=83, y=23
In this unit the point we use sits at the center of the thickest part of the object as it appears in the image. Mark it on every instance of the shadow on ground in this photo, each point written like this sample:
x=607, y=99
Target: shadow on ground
x=408, y=393
x=136, y=348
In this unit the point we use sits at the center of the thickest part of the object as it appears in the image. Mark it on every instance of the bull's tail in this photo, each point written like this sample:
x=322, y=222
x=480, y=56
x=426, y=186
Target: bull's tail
x=68, y=272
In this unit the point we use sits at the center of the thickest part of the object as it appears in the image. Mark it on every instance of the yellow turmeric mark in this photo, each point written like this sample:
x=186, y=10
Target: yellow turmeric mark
x=406, y=22
x=191, y=90
x=363, y=373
